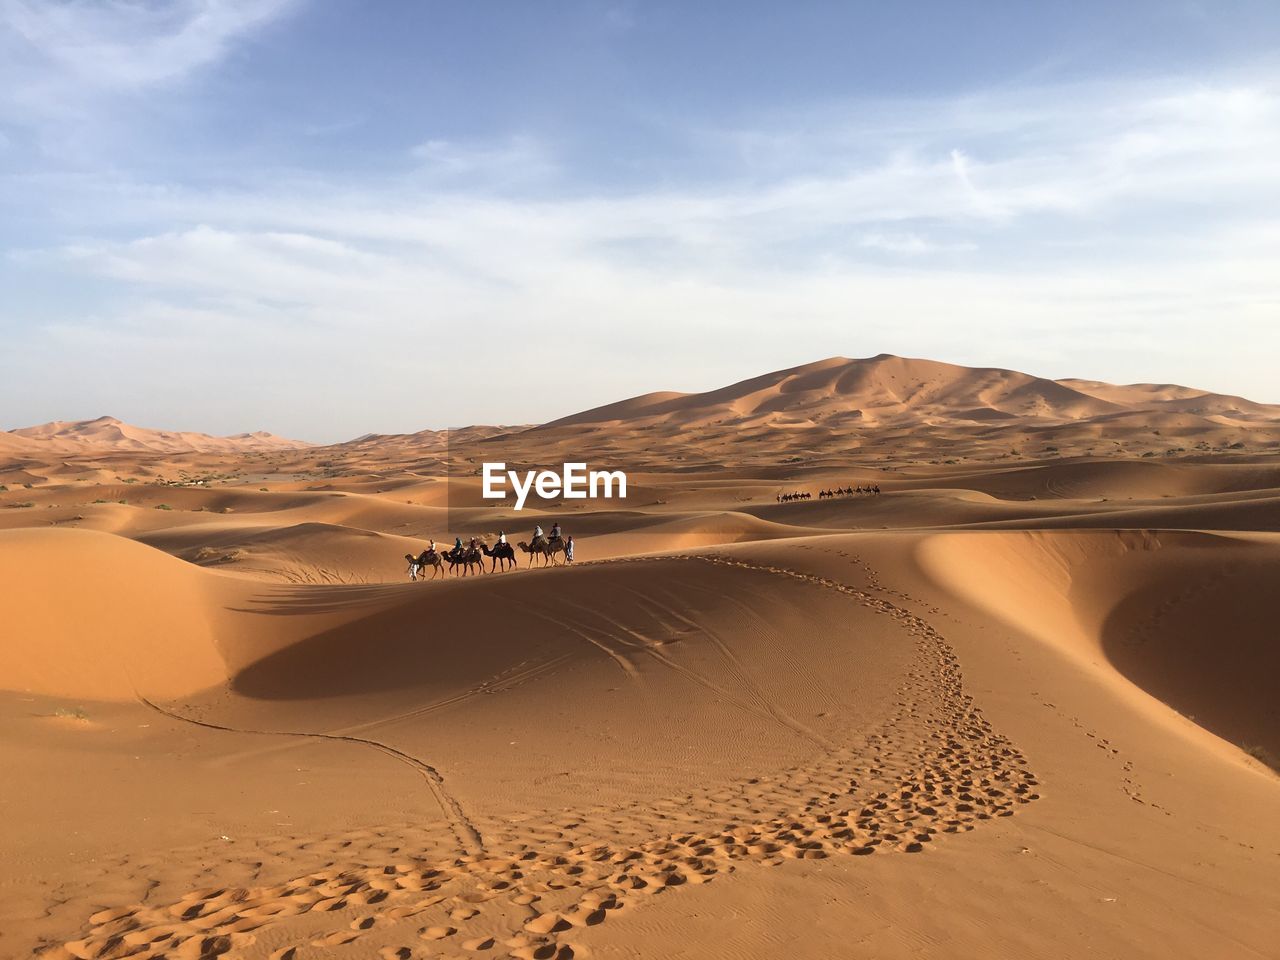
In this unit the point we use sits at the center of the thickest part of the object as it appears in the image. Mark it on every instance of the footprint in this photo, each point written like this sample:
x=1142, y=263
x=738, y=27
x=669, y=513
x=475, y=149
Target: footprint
x=547, y=923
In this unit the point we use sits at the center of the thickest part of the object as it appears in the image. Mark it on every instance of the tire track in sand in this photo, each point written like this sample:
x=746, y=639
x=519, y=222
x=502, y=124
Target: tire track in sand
x=739, y=669
x=762, y=706
x=468, y=836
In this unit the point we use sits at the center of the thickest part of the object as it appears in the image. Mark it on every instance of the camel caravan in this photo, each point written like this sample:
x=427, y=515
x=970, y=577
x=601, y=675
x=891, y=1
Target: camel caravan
x=554, y=549
x=859, y=491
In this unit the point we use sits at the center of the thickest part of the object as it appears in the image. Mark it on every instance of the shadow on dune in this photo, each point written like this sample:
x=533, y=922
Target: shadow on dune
x=1187, y=617
x=439, y=643
x=428, y=639
x=1209, y=647
x=411, y=645
x=285, y=601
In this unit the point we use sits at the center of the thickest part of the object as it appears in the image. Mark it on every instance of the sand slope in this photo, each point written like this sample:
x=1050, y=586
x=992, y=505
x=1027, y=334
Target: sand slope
x=782, y=708
x=1183, y=616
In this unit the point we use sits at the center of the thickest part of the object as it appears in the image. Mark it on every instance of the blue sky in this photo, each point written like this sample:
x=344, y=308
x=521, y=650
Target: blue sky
x=325, y=219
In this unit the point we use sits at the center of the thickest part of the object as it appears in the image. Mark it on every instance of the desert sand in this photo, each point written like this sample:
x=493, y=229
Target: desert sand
x=1022, y=703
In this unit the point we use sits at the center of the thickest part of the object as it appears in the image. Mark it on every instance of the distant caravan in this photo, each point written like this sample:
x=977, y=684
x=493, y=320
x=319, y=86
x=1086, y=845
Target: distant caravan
x=870, y=490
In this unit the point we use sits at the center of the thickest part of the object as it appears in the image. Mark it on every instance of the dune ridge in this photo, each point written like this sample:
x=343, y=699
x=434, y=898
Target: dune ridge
x=886, y=390
x=111, y=434
x=885, y=409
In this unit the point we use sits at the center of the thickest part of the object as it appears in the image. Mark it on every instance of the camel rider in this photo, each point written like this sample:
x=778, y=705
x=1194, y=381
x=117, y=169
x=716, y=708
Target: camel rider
x=431, y=547
x=555, y=530
x=457, y=546
x=537, y=534
x=502, y=537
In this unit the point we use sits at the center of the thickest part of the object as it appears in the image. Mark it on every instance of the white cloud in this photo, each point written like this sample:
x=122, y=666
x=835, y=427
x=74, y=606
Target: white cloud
x=117, y=44
x=63, y=65
x=908, y=244
x=516, y=161
x=1117, y=232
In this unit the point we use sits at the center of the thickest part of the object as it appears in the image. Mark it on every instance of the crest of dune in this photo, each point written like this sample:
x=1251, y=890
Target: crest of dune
x=108, y=433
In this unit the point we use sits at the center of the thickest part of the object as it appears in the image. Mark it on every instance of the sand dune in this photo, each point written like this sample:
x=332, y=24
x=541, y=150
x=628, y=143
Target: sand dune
x=1015, y=705
x=109, y=634
x=888, y=411
x=882, y=387
x=1154, y=604
x=108, y=433
x=787, y=688
x=951, y=409
x=13, y=443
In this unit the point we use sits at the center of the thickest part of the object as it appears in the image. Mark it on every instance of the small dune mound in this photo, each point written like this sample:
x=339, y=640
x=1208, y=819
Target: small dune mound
x=90, y=615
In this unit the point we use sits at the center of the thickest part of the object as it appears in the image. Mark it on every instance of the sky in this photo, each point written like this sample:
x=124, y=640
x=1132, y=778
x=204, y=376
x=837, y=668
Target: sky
x=326, y=219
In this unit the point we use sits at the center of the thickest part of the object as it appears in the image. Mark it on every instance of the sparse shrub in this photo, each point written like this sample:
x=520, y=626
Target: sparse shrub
x=21, y=505
x=207, y=556
x=1263, y=755
x=73, y=713
x=163, y=506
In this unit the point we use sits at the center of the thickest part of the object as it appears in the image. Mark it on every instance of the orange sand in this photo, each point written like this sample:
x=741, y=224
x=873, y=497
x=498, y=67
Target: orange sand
x=1011, y=707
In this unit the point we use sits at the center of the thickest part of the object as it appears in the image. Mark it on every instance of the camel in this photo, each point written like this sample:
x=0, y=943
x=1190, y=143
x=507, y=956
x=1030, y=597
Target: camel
x=466, y=560
x=546, y=550
x=501, y=552
x=428, y=558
